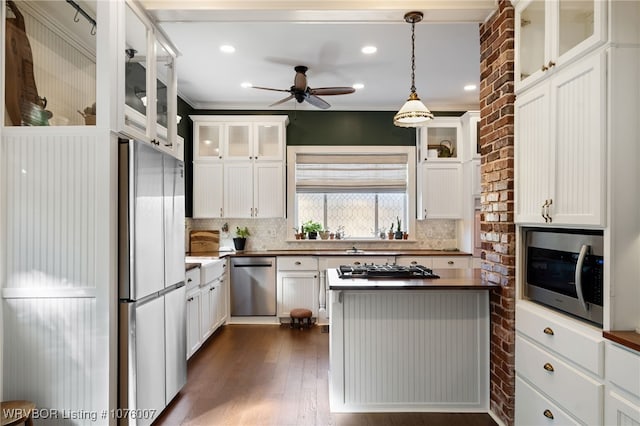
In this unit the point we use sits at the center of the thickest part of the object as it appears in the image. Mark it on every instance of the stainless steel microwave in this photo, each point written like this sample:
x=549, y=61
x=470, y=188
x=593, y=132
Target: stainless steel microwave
x=564, y=270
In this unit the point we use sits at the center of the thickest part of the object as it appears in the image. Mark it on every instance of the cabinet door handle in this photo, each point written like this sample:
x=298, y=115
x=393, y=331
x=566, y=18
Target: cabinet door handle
x=413, y=262
x=544, y=68
x=189, y=280
x=190, y=299
x=212, y=288
x=220, y=211
x=356, y=263
x=548, y=414
x=256, y=212
x=548, y=367
x=548, y=331
x=298, y=263
x=543, y=212
x=425, y=213
x=549, y=202
x=551, y=64
x=450, y=262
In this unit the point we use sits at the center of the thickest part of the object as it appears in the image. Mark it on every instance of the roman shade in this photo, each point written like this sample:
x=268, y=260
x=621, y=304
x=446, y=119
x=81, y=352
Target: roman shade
x=327, y=173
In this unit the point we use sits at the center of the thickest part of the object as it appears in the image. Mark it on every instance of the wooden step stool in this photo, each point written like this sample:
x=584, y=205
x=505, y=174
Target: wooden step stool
x=301, y=317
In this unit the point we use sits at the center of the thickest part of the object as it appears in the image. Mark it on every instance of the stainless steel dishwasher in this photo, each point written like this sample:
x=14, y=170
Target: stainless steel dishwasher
x=253, y=286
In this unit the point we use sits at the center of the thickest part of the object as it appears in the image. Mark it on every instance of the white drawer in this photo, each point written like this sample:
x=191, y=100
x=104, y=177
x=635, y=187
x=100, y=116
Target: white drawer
x=578, y=342
x=192, y=278
x=444, y=262
x=533, y=409
x=299, y=263
x=571, y=389
x=414, y=260
x=623, y=368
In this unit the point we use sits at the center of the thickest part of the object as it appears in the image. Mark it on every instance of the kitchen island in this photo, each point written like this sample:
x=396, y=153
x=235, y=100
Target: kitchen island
x=409, y=344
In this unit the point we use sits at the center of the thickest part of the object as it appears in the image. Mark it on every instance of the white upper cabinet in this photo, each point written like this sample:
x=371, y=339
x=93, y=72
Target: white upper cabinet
x=552, y=33
x=441, y=140
x=239, y=138
x=248, y=180
x=440, y=191
x=149, y=107
x=561, y=150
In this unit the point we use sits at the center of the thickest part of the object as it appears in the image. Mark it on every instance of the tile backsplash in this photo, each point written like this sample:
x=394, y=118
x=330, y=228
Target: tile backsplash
x=271, y=234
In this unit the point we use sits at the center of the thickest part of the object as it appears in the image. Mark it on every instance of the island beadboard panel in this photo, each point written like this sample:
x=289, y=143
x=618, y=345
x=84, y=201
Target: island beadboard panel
x=497, y=224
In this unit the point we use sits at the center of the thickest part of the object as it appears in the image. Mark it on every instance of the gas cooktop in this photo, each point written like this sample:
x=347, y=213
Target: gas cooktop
x=385, y=271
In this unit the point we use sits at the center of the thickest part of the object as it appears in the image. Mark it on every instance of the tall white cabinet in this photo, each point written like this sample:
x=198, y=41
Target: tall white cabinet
x=238, y=167
x=576, y=166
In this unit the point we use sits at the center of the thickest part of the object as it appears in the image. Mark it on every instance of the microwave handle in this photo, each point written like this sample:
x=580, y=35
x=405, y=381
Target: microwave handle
x=578, y=279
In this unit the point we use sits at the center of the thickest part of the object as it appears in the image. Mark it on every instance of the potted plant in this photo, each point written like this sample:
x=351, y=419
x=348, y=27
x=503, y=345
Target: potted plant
x=241, y=238
x=324, y=235
x=399, y=232
x=311, y=228
x=390, y=234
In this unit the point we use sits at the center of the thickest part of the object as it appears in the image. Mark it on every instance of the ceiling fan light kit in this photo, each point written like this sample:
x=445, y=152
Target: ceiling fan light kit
x=413, y=113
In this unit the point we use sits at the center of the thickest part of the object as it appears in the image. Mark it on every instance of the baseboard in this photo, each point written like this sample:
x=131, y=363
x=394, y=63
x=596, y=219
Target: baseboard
x=496, y=419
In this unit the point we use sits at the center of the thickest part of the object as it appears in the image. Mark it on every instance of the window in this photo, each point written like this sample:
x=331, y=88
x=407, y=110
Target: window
x=361, y=189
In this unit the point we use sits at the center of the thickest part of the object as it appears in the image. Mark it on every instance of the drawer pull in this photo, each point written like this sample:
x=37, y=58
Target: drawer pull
x=189, y=280
x=356, y=263
x=298, y=263
x=190, y=299
x=548, y=367
x=450, y=262
x=548, y=331
x=413, y=262
x=548, y=414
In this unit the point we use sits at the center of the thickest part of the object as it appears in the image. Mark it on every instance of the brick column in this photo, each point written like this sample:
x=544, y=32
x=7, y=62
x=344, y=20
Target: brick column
x=498, y=229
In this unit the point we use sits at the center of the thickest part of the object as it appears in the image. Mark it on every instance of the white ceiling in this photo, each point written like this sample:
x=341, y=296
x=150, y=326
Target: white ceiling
x=272, y=37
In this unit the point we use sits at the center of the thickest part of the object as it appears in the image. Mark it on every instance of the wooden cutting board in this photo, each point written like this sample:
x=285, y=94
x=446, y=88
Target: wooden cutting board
x=204, y=242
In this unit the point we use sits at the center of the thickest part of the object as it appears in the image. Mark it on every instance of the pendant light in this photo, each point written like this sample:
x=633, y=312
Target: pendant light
x=413, y=113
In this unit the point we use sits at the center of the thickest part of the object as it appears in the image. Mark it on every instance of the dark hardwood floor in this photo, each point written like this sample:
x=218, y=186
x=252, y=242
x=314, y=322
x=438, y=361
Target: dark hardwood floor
x=253, y=375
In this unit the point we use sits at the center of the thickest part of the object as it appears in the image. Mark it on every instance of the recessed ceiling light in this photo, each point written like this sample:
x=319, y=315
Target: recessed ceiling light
x=358, y=86
x=470, y=87
x=368, y=50
x=227, y=48
x=246, y=85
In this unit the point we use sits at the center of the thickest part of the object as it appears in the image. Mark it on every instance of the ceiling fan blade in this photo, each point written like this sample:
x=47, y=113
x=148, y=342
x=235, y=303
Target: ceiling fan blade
x=317, y=102
x=268, y=88
x=281, y=101
x=324, y=91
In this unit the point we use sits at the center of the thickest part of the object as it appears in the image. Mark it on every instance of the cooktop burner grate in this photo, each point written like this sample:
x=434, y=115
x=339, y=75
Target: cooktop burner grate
x=385, y=271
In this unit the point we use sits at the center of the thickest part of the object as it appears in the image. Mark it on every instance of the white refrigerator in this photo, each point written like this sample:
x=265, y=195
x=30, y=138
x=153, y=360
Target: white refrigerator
x=152, y=318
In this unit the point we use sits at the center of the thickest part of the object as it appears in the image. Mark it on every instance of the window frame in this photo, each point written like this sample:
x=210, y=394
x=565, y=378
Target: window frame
x=294, y=150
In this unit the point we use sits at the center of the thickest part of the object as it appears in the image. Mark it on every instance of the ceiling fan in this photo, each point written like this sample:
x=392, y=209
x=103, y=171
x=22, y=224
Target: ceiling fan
x=301, y=92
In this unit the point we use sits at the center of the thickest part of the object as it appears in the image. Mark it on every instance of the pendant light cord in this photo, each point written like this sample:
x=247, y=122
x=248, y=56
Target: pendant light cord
x=413, y=55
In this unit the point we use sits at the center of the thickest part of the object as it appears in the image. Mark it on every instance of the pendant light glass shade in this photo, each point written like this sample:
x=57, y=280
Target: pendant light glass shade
x=413, y=113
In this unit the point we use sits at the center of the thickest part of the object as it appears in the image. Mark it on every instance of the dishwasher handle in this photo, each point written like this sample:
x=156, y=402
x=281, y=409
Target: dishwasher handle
x=253, y=265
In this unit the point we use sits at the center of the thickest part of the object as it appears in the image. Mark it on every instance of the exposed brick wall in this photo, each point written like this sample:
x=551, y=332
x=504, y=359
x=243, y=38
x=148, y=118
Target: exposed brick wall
x=497, y=227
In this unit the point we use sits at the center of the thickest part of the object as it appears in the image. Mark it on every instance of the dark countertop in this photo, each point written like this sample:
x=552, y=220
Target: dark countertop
x=335, y=252
x=629, y=339
x=450, y=279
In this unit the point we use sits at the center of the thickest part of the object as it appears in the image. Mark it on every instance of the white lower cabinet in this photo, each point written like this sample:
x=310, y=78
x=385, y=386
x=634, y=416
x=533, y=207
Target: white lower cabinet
x=559, y=369
x=298, y=285
x=622, y=403
x=206, y=303
x=436, y=262
x=193, y=322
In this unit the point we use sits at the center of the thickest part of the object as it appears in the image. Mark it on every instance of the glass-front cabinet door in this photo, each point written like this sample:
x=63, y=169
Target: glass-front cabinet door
x=441, y=139
x=137, y=36
x=268, y=142
x=553, y=32
x=531, y=29
x=238, y=142
x=166, y=96
x=208, y=141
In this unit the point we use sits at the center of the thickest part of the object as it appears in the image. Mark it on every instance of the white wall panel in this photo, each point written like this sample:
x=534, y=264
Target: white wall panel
x=50, y=355
x=50, y=211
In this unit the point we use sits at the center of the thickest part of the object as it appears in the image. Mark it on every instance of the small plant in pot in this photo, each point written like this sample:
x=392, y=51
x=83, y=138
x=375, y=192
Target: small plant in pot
x=390, y=234
x=399, y=232
x=241, y=238
x=312, y=228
